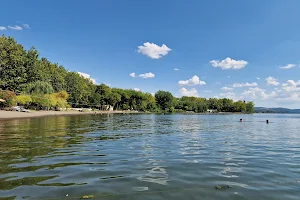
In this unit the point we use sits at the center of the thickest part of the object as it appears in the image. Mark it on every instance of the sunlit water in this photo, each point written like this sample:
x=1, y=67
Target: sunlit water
x=151, y=157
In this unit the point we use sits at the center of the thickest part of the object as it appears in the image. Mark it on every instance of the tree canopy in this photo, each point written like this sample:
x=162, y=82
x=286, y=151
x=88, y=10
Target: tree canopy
x=27, y=79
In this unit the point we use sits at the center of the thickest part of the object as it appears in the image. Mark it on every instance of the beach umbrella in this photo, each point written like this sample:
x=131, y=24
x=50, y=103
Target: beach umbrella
x=2, y=100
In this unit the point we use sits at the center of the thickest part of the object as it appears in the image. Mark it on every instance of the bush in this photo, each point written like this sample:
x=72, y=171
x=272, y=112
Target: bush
x=23, y=99
x=9, y=97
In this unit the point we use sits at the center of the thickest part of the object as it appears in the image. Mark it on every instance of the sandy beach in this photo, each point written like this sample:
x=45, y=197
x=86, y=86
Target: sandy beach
x=4, y=115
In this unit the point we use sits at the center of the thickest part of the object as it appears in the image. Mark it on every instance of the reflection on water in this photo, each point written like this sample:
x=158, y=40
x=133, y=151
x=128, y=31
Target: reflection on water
x=151, y=156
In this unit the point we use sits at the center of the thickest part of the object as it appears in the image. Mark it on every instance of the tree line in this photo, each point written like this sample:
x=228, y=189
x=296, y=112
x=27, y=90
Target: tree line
x=26, y=79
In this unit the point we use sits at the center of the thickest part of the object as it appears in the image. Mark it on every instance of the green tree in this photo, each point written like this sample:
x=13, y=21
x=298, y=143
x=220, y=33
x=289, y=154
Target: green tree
x=12, y=64
x=39, y=88
x=113, y=98
x=164, y=99
x=250, y=107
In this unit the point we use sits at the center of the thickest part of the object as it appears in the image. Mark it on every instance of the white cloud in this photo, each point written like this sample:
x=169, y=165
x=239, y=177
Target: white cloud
x=291, y=86
x=257, y=78
x=192, y=81
x=147, y=75
x=229, y=63
x=228, y=76
x=229, y=95
x=26, y=26
x=154, y=51
x=289, y=98
x=190, y=93
x=137, y=89
x=87, y=76
x=16, y=28
x=289, y=66
x=258, y=93
x=2, y=28
x=176, y=69
x=132, y=74
x=272, y=81
x=226, y=88
x=244, y=84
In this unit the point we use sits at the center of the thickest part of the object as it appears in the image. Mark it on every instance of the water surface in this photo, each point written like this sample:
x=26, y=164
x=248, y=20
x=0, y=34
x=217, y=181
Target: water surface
x=151, y=157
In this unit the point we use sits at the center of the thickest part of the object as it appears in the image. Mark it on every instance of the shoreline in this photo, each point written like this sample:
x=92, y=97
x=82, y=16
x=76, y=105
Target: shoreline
x=9, y=115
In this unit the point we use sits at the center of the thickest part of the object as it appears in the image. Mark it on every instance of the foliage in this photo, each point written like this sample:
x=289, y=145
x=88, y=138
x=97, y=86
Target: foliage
x=39, y=88
x=46, y=85
x=23, y=99
x=164, y=99
x=9, y=98
x=12, y=64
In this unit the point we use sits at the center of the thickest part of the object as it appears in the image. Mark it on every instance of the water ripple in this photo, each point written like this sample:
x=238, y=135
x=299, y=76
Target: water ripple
x=151, y=156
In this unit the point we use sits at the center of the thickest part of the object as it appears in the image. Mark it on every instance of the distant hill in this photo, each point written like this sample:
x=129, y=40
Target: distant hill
x=276, y=110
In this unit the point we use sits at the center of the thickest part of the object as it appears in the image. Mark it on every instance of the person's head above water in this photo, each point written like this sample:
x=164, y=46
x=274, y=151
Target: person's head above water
x=267, y=121
x=241, y=120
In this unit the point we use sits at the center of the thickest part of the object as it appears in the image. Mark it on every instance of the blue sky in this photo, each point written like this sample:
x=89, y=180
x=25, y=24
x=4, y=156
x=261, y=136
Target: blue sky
x=221, y=48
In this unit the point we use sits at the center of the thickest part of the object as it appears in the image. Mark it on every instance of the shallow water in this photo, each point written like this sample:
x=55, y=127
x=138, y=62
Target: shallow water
x=151, y=157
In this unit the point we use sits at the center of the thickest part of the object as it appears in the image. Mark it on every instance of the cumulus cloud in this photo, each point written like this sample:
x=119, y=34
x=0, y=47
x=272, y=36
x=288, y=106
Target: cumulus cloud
x=132, y=74
x=289, y=66
x=16, y=28
x=137, y=89
x=26, y=26
x=229, y=95
x=153, y=50
x=226, y=88
x=147, y=75
x=257, y=78
x=176, y=69
x=190, y=93
x=192, y=81
x=289, y=98
x=291, y=86
x=87, y=76
x=2, y=28
x=229, y=63
x=244, y=84
x=272, y=81
x=256, y=92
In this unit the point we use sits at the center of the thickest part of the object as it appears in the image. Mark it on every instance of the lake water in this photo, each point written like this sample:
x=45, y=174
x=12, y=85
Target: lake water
x=151, y=157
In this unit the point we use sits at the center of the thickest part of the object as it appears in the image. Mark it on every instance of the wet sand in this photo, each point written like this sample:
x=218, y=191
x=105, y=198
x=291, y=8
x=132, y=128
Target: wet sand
x=4, y=115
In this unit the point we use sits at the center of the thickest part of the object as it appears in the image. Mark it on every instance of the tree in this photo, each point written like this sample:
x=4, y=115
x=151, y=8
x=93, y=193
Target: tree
x=250, y=107
x=164, y=99
x=113, y=98
x=39, y=88
x=79, y=89
x=239, y=106
x=214, y=103
x=12, y=64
